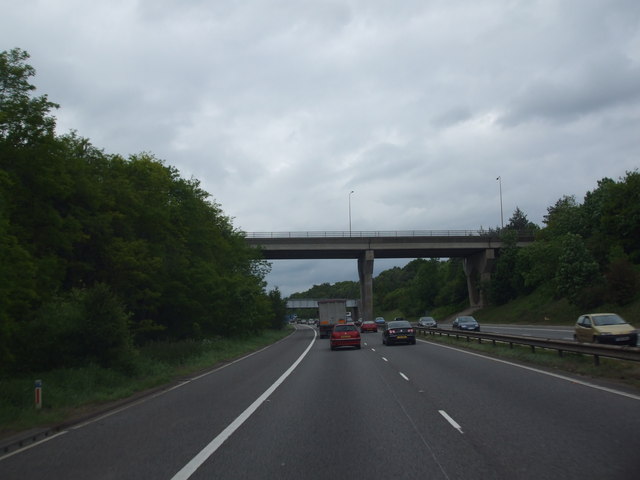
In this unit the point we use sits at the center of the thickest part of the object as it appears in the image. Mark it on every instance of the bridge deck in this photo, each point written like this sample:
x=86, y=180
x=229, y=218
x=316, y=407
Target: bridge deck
x=383, y=246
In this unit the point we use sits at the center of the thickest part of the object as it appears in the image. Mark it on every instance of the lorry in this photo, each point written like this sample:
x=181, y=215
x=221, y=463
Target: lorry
x=331, y=312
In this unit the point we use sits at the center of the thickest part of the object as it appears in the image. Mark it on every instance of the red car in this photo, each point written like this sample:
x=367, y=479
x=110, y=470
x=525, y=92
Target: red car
x=345, y=335
x=369, y=326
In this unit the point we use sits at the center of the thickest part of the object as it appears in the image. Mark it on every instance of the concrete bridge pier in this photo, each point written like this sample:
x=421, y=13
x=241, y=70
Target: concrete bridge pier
x=365, y=273
x=478, y=268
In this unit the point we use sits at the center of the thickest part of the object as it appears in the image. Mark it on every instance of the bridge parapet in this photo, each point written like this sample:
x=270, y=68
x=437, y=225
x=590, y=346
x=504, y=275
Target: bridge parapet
x=525, y=235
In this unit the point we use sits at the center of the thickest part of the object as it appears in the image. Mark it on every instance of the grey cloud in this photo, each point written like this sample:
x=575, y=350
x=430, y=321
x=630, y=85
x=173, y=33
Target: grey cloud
x=605, y=84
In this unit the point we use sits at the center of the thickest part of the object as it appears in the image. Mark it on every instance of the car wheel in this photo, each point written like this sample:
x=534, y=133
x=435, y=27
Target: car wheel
x=332, y=347
x=414, y=342
x=358, y=347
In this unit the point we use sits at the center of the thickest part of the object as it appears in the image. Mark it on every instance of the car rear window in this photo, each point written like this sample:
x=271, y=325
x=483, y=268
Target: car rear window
x=343, y=328
x=399, y=324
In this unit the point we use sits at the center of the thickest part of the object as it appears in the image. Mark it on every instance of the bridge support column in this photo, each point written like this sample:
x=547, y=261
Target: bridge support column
x=365, y=272
x=478, y=268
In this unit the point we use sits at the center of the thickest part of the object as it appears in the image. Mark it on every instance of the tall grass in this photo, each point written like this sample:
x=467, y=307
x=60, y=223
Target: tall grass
x=75, y=391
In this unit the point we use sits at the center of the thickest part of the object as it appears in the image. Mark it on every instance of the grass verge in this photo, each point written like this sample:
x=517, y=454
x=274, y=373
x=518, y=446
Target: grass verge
x=619, y=372
x=72, y=392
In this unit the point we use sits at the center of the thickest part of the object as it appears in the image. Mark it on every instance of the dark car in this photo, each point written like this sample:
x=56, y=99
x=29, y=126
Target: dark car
x=399, y=331
x=427, y=322
x=345, y=335
x=466, y=322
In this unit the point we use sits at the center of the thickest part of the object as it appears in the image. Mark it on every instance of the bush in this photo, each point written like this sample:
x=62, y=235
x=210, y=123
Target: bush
x=86, y=326
x=622, y=282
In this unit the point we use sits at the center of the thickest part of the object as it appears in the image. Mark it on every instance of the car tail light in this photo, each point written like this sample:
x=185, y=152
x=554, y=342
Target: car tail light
x=392, y=331
x=410, y=330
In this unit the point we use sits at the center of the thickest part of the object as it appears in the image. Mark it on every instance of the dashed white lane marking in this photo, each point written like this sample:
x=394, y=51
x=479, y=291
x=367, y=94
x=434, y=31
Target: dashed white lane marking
x=453, y=423
x=385, y=359
x=404, y=376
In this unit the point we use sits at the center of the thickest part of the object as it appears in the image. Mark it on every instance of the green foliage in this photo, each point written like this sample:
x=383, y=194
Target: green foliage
x=507, y=281
x=278, y=309
x=622, y=281
x=519, y=222
x=23, y=119
x=576, y=269
x=344, y=289
x=562, y=218
x=76, y=224
x=84, y=326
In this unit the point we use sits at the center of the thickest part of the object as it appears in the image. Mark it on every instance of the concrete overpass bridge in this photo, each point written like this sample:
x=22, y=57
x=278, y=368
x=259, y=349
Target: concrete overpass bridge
x=478, y=248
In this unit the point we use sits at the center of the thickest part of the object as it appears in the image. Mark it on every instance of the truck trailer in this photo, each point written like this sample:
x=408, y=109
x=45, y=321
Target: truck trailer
x=330, y=312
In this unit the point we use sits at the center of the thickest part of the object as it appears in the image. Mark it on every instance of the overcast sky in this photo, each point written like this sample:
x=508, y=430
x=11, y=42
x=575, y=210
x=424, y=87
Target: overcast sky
x=281, y=108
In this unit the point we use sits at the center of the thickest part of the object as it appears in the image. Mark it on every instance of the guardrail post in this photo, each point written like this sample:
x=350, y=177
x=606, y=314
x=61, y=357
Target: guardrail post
x=596, y=360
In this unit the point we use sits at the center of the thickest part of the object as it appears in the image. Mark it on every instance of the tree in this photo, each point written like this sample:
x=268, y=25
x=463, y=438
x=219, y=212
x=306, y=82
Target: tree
x=621, y=214
x=23, y=119
x=278, y=309
x=506, y=281
x=576, y=269
x=519, y=222
x=562, y=218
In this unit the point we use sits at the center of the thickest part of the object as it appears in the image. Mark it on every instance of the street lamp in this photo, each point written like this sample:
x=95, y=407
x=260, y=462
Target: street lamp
x=499, y=179
x=350, y=212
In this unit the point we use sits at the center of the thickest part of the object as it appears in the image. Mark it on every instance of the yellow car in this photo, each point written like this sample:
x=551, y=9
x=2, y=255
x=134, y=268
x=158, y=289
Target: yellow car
x=605, y=328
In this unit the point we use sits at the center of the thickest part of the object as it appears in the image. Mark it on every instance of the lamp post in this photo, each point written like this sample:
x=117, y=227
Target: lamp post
x=499, y=179
x=350, y=212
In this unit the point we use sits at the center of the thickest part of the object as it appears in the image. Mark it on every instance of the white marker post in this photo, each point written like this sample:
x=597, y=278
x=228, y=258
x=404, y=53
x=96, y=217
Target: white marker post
x=38, y=394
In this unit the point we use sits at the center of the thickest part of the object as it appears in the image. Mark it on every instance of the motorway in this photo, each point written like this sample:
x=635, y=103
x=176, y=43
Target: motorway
x=555, y=332
x=549, y=332
x=297, y=410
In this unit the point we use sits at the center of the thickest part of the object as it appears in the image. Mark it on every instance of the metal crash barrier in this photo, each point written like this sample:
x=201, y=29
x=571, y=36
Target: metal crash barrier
x=628, y=353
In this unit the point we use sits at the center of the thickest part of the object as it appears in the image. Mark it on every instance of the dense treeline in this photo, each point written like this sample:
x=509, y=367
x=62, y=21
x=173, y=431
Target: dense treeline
x=414, y=289
x=100, y=252
x=588, y=253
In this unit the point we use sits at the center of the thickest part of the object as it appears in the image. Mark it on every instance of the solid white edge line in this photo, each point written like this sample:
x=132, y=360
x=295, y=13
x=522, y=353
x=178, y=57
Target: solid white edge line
x=142, y=400
x=169, y=389
x=561, y=377
x=453, y=423
x=34, y=444
x=210, y=449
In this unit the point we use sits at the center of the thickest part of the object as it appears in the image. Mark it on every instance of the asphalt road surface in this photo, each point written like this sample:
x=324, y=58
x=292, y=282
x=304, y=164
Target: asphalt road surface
x=297, y=410
x=555, y=332
x=550, y=332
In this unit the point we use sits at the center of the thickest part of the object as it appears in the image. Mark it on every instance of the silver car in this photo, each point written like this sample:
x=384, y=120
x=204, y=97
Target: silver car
x=427, y=322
